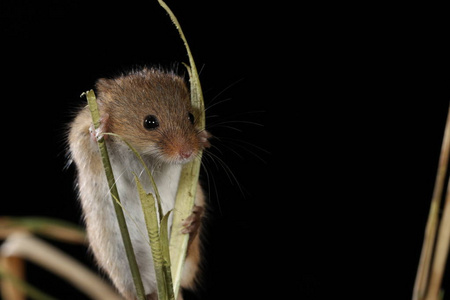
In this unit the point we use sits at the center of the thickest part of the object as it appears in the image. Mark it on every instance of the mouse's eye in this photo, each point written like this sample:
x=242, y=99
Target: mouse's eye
x=191, y=118
x=151, y=122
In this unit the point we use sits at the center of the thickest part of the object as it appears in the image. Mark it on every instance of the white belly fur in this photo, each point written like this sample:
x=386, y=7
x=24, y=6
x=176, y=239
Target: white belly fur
x=107, y=243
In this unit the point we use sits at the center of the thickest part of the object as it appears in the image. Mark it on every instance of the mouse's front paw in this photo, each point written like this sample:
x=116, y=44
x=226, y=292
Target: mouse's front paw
x=98, y=134
x=204, y=137
x=193, y=222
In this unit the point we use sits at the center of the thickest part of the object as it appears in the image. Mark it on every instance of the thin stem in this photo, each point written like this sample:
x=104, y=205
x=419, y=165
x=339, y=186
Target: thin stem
x=196, y=89
x=149, y=174
x=165, y=291
x=441, y=253
x=187, y=185
x=27, y=288
x=423, y=272
x=140, y=292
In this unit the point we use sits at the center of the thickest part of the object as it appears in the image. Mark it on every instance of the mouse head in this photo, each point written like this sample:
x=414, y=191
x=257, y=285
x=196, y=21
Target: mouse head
x=151, y=110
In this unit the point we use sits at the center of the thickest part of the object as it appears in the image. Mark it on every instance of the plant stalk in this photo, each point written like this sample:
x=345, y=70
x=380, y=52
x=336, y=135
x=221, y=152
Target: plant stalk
x=441, y=253
x=140, y=292
x=187, y=185
x=422, y=282
x=163, y=278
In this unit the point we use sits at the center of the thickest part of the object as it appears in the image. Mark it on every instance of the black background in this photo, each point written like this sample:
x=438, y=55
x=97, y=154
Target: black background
x=330, y=121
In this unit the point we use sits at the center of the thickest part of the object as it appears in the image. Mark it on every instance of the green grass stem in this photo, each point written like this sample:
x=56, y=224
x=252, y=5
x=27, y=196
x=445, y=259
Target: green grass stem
x=140, y=292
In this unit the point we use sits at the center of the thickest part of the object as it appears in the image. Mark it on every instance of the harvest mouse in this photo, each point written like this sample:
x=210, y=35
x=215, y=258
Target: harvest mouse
x=150, y=109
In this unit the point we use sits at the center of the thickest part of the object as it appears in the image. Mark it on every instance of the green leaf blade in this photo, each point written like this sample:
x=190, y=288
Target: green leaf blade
x=156, y=243
x=140, y=292
x=190, y=172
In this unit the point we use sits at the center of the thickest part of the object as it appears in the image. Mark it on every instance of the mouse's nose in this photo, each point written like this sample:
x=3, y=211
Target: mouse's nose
x=185, y=154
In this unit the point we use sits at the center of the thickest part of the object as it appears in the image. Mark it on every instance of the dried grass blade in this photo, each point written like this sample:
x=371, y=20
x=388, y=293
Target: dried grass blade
x=423, y=273
x=41, y=253
x=48, y=227
x=441, y=252
x=15, y=268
